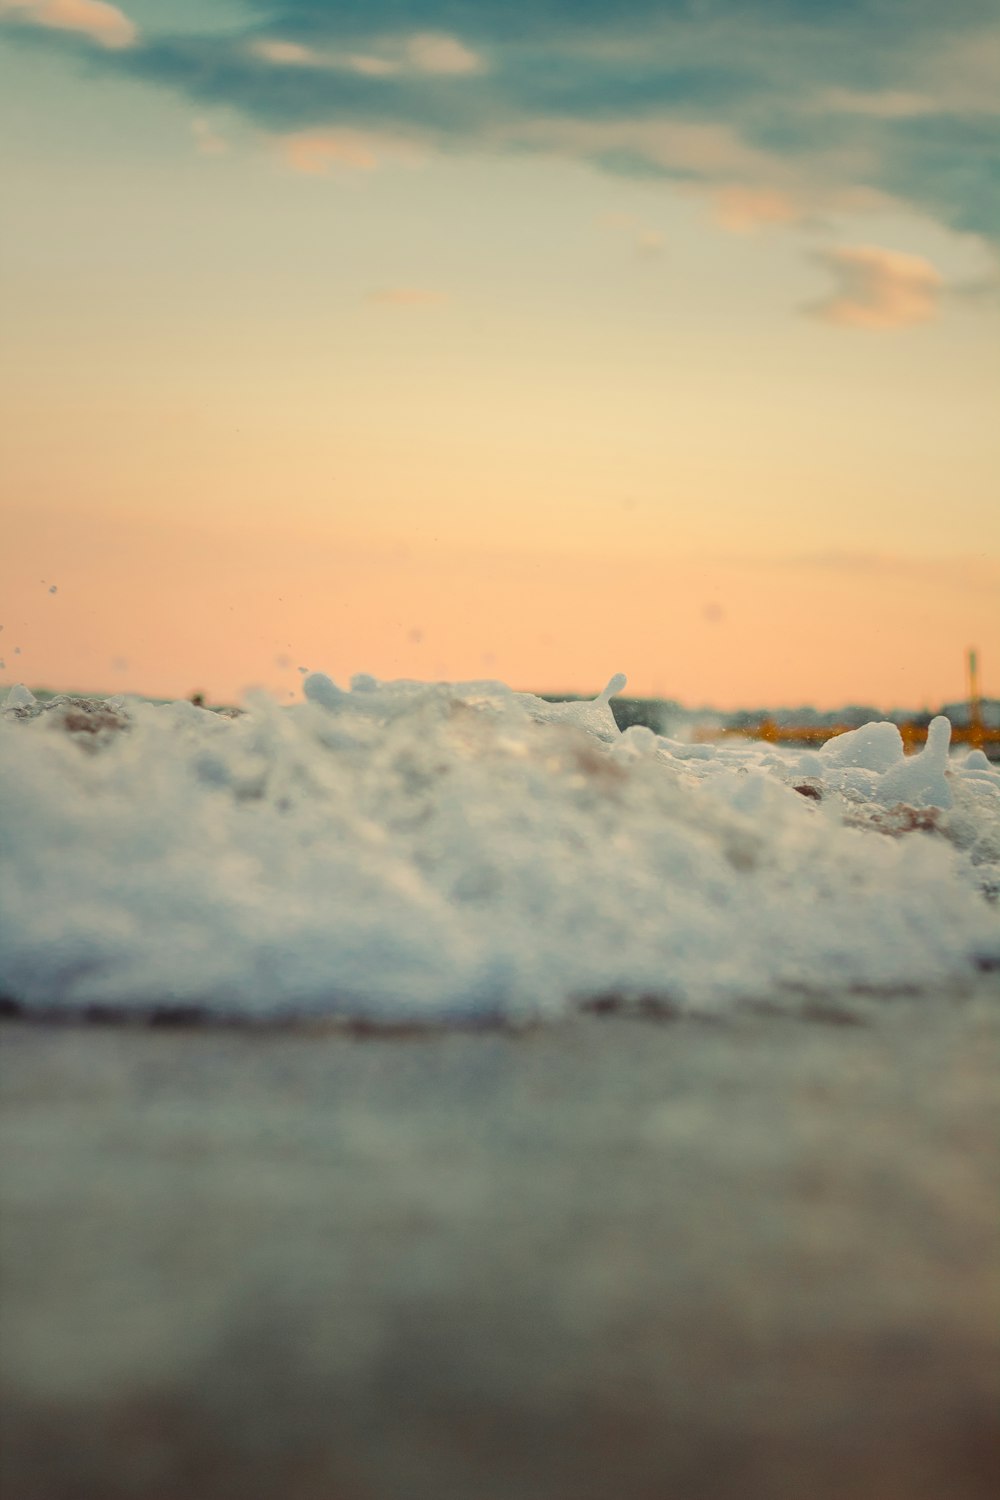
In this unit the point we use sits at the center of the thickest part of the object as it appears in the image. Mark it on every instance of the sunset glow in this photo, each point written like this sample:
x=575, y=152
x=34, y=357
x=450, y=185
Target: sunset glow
x=552, y=345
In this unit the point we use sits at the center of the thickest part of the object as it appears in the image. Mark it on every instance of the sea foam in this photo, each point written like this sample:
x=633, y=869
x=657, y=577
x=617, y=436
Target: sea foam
x=405, y=852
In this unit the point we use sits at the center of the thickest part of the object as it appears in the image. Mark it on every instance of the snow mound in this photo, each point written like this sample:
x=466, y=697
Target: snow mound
x=408, y=853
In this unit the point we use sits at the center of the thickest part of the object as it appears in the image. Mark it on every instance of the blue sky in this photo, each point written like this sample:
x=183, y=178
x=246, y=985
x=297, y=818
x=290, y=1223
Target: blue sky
x=813, y=100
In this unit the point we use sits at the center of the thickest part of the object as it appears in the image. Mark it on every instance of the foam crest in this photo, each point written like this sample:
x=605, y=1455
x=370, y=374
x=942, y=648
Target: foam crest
x=408, y=852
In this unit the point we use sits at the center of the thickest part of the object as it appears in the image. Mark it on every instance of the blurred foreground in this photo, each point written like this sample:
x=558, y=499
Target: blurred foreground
x=756, y=1257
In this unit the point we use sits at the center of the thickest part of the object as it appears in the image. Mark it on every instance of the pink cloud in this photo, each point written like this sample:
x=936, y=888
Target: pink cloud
x=742, y=209
x=877, y=289
x=103, y=23
x=314, y=153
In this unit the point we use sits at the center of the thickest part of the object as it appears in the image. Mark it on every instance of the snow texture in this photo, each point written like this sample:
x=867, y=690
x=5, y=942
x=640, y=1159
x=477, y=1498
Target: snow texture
x=412, y=853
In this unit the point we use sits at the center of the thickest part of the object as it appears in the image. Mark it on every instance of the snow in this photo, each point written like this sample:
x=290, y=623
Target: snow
x=405, y=852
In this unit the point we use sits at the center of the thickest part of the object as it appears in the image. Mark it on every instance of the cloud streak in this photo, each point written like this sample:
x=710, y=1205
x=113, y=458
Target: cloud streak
x=428, y=53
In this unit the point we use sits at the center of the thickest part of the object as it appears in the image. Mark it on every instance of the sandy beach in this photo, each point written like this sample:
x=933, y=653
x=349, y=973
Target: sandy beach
x=610, y=1257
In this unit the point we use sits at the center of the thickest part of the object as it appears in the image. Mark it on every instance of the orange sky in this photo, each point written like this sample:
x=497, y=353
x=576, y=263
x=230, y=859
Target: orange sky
x=176, y=607
x=473, y=403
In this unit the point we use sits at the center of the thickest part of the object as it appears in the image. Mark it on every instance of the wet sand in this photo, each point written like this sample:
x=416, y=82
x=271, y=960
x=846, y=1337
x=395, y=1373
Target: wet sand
x=610, y=1258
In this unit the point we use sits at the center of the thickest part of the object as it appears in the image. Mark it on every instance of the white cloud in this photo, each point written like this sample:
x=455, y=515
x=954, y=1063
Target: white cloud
x=103, y=23
x=877, y=289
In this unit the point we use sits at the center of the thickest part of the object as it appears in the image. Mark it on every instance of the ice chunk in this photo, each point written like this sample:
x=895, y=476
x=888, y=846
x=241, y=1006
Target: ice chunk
x=636, y=741
x=19, y=697
x=977, y=760
x=686, y=749
x=978, y=767
x=921, y=780
x=875, y=747
x=321, y=689
x=591, y=714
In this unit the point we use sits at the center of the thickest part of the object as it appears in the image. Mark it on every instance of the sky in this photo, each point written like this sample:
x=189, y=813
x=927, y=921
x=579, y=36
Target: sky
x=530, y=339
